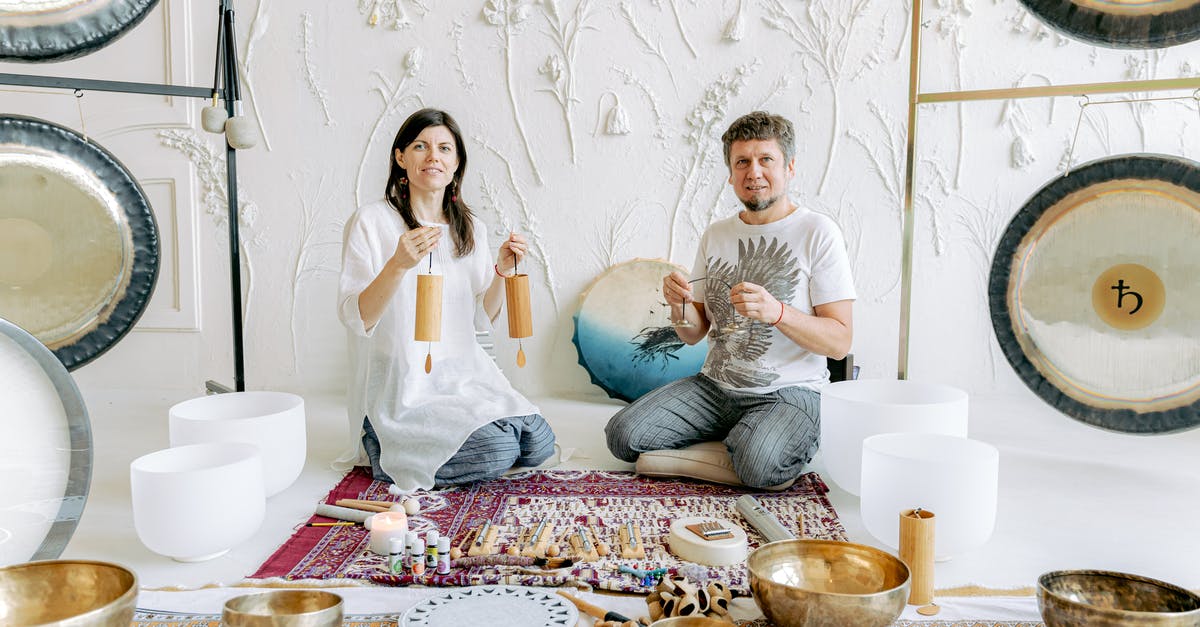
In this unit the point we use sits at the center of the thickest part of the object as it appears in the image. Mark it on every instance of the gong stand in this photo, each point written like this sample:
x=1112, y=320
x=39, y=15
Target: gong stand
x=917, y=98
x=225, y=86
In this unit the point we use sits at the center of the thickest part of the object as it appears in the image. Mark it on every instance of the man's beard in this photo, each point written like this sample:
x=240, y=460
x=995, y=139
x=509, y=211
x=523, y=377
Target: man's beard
x=754, y=205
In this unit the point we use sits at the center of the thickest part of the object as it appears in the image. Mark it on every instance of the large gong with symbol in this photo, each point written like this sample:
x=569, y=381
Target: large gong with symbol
x=1122, y=23
x=1095, y=293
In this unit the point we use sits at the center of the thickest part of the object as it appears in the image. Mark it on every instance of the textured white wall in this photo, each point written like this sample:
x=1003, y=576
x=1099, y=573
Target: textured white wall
x=330, y=82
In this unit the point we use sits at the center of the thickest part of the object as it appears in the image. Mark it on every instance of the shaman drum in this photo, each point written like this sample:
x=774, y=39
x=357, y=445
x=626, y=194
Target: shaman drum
x=1122, y=23
x=78, y=242
x=56, y=30
x=1093, y=294
x=45, y=450
x=624, y=335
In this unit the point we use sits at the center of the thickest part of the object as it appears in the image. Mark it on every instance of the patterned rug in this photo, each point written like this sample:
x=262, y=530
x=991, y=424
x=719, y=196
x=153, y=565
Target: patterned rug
x=153, y=618
x=605, y=500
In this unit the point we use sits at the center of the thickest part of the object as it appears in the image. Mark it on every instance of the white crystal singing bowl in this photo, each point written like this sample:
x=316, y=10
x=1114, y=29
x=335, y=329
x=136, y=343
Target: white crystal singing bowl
x=852, y=411
x=272, y=421
x=193, y=503
x=955, y=478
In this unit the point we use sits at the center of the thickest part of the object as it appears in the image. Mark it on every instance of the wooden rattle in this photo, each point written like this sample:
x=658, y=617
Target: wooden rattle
x=629, y=537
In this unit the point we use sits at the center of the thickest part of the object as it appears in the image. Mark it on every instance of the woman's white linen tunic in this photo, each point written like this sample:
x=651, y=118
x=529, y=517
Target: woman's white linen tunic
x=421, y=419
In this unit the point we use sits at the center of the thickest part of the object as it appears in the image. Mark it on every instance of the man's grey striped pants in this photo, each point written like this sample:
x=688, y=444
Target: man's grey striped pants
x=770, y=436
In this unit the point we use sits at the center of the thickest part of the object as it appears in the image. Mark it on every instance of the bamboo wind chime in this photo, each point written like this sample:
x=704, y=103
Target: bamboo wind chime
x=429, y=311
x=520, y=318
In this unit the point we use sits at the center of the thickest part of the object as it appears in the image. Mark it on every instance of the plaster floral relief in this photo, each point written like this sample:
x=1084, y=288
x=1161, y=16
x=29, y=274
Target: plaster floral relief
x=824, y=38
x=258, y=30
x=394, y=95
x=561, y=65
x=309, y=66
x=320, y=242
x=510, y=17
x=209, y=162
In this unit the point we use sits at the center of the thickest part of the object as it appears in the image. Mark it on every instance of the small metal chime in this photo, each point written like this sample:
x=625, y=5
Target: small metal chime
x=429, y=311
x=520, y=319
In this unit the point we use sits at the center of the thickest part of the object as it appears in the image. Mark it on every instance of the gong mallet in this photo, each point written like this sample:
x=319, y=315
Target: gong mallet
x=595, y=611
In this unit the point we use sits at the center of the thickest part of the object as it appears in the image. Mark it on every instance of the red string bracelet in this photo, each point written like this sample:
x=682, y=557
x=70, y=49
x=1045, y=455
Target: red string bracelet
x=497, y=267
x=780, y=315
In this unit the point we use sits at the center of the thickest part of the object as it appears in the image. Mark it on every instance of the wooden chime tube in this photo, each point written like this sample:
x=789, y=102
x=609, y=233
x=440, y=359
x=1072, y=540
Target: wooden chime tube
x=916, y=550
x=429, y=308
x=520, y=318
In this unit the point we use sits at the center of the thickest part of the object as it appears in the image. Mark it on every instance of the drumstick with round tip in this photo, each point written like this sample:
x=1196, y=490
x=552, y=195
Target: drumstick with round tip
x=594, y=610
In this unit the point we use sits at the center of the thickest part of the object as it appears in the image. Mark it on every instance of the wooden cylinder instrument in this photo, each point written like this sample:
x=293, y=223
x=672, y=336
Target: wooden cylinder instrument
x=916, y=550
x=429, y=308
x=516, y=294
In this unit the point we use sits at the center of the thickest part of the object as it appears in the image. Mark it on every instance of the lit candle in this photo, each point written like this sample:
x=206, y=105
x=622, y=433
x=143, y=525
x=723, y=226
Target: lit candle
x=385, y=526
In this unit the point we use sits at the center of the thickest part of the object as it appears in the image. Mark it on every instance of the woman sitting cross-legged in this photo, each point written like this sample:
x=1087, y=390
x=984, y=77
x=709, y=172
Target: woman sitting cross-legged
x=462, y=421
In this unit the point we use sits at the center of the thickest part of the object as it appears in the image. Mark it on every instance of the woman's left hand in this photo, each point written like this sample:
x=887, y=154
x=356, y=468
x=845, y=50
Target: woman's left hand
x=511, y=251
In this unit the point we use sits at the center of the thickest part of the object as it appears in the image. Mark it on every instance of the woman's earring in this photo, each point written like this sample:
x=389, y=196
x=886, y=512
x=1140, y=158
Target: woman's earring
x=453, y=195
x=404, y=187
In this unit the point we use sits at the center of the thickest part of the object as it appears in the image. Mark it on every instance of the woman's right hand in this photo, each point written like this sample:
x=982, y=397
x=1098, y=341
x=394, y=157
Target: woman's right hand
x=676, y=289
x=415, y=244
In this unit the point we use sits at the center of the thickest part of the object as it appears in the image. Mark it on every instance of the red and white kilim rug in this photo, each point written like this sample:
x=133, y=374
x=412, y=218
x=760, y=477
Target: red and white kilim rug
x=563, y=498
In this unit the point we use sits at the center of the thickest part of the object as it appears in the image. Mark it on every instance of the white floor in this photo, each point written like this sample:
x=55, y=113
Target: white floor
x=1070, y=496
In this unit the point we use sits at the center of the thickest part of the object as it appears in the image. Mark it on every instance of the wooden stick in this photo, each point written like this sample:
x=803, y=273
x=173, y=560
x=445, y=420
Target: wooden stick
x=593, y=610
x=354, y=504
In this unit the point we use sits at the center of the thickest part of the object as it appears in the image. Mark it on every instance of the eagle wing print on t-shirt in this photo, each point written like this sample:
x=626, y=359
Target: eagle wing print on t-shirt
x=734, y=358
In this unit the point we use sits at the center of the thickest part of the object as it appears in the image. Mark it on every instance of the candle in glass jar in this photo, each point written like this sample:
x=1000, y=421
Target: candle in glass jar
x=385, y=526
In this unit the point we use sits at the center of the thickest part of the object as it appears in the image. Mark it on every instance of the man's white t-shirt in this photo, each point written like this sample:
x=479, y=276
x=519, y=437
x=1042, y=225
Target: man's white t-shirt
x=801, y=260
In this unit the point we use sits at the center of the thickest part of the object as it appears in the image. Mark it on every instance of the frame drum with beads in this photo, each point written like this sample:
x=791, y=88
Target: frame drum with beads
x=624, y=335
x=39, y=31
x=79, y=250
x=1122, y=23
x=1093, y=293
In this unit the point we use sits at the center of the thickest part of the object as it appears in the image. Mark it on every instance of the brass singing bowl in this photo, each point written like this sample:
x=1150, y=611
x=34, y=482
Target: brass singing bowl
x=284, y=608
x=67, y=593
x=1099, y=598
x=815, y=583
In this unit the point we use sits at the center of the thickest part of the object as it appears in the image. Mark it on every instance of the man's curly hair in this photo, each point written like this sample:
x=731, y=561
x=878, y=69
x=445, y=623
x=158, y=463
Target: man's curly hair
x=761, y=125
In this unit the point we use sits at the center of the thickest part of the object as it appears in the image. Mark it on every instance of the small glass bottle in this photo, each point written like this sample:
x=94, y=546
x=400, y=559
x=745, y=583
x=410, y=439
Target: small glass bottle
x=418, y=559
x=431, y=550
x=396, y=556
x=411, y=539
x=443, y=565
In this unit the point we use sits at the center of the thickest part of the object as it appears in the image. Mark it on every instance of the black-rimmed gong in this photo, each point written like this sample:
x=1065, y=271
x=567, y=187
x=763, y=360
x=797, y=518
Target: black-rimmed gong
x=1095, y=293
x=1122, y=23
x=79, y=249
x=56, y=30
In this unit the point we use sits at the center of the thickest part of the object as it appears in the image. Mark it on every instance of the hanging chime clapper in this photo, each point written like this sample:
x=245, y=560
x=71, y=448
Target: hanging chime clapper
x=429, y=311
x=520, y=318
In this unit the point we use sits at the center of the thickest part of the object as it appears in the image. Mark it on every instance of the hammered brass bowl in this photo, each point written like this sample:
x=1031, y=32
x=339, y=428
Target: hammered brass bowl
x=284, y=608
x=1100, y=598
x=819, y=583
x=67, y=593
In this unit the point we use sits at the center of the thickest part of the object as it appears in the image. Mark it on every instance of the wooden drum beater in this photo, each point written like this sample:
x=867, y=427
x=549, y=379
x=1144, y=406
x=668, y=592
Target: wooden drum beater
x=429, y=311
x=520, y=318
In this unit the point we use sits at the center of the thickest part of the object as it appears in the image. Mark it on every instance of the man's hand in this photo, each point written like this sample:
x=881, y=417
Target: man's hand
x=676, y=289
x=754, y=302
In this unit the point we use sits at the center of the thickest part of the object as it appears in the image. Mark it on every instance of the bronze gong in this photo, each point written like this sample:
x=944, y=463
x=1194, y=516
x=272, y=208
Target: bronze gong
x=1094, y=293
x=78, y=242
x=1122, y=23
x=56, y=30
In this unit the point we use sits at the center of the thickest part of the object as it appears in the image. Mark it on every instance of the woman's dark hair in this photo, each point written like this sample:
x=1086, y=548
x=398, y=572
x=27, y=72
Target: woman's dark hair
x=457, y=212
